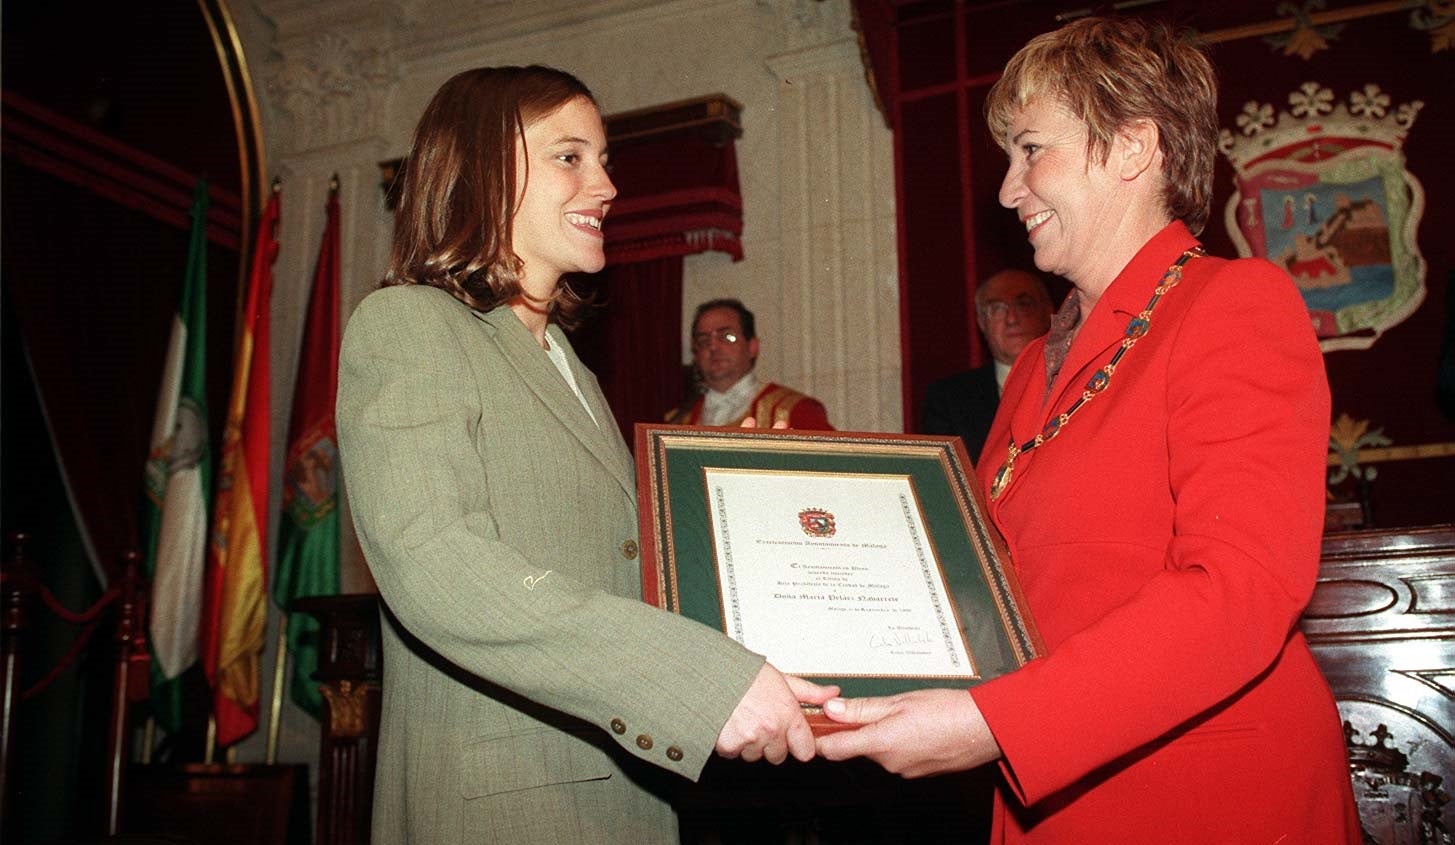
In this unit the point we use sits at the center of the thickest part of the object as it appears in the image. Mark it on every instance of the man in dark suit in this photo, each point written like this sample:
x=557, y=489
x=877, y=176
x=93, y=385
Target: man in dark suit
x=1012, y=308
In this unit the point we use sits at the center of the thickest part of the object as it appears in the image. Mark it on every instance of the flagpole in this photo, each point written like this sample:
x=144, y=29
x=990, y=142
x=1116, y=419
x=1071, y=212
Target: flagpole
x=211, y=749
x=280, y=656
x=275, y=709
x=148, y=736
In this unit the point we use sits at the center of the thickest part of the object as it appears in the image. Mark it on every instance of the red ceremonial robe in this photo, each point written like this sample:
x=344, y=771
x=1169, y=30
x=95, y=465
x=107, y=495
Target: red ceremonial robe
x=772, y=404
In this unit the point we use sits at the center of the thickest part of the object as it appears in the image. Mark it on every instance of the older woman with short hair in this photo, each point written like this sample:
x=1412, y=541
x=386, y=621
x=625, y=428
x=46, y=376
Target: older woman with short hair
x=1156, y=467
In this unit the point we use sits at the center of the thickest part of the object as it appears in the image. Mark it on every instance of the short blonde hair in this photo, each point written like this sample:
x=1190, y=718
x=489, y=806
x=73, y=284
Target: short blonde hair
x=1110, y=72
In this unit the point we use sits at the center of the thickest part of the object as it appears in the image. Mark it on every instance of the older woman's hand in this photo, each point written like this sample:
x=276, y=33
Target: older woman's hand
x=914, y=734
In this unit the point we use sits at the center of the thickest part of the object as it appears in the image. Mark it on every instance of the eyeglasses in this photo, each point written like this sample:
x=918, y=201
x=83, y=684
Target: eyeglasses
x=702, y=340
x=997, y=309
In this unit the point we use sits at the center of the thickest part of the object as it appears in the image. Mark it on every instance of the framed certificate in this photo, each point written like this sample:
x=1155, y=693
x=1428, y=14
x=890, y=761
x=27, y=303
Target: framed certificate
x=863, y=560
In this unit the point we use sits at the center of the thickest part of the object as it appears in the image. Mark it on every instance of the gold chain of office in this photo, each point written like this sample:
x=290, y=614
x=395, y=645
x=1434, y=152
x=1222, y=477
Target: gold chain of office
x=1136, y=329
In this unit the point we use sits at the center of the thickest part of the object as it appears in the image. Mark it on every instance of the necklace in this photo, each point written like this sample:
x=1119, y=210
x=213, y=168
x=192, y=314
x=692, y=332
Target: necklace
x=1136, y=329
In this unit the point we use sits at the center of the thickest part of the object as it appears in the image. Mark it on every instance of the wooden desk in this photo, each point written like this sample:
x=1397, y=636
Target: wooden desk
x=217, y=804
x=1382, y=627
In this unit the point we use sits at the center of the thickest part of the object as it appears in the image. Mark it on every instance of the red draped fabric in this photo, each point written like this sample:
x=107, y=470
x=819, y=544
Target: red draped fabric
x=678, y=196
x=634, y=343
x=94, y=248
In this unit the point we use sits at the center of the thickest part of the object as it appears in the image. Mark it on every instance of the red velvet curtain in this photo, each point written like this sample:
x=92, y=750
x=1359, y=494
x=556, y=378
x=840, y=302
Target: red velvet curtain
x=634, y=343
x=678, y=196
x=92, y=284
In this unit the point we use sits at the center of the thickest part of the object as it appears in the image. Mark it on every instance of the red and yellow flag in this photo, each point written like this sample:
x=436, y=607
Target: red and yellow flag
x=234, y=606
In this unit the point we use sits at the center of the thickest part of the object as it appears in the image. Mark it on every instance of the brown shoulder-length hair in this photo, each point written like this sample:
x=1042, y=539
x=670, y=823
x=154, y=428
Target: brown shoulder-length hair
x=452, y=224
x=1112, y=71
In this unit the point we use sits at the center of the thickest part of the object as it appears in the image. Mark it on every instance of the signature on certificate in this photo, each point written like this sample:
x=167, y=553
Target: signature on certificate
x=898, y=636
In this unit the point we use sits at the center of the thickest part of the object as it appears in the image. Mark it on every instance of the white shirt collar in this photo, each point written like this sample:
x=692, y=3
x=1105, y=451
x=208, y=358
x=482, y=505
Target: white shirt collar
x=727, y=406
x=1001, y=371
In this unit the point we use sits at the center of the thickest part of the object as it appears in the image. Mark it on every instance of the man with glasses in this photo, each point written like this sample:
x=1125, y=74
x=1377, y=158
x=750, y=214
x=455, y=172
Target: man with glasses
x=1012, y=309
x=724, y=350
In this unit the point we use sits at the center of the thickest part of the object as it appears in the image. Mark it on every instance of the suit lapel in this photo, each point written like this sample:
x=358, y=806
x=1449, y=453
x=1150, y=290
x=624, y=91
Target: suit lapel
x=1093, y=346
x=612, y=452
x=986, y=396
x=1095, y=343
x=530, y=361
x=1127, y=295
x=1025, y=386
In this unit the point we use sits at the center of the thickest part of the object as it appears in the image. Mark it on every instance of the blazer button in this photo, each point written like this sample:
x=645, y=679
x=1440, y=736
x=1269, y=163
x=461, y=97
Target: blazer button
x=618, y=726
x=629, y=549
x=644, y=742
x=674, y=754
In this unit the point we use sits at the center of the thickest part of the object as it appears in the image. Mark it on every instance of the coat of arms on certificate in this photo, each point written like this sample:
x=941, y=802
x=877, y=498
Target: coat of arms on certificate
x=816, y=522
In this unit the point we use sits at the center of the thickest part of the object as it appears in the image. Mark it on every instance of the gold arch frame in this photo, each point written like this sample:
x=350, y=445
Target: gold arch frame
x=252, y=162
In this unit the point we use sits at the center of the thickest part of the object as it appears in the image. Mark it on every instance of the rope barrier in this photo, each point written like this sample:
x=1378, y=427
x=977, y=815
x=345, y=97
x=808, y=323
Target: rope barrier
x=65, y=662
x=88, y=617
x=71, y=616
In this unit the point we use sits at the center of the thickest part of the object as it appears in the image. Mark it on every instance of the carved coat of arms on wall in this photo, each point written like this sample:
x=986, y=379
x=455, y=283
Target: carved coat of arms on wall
x=1323, y=191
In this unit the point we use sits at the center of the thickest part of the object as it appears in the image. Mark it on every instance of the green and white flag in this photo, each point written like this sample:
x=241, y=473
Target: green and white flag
x=178, y=482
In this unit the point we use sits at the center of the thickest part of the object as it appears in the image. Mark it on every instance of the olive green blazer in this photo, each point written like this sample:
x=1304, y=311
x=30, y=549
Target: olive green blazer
x=524, y=680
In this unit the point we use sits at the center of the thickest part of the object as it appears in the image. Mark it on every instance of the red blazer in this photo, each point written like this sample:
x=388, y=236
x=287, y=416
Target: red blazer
x=1167, y=540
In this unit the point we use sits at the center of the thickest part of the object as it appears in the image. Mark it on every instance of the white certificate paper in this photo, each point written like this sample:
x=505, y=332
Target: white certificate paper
x=832, y=574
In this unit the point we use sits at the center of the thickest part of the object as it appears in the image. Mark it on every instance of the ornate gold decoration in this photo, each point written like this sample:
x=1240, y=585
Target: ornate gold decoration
x=346, y=702
x=1307, y=37
x=246, y=121
x=1353, y=447
x=1310, y=30
x=1346, y=437
x=1437, y=18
